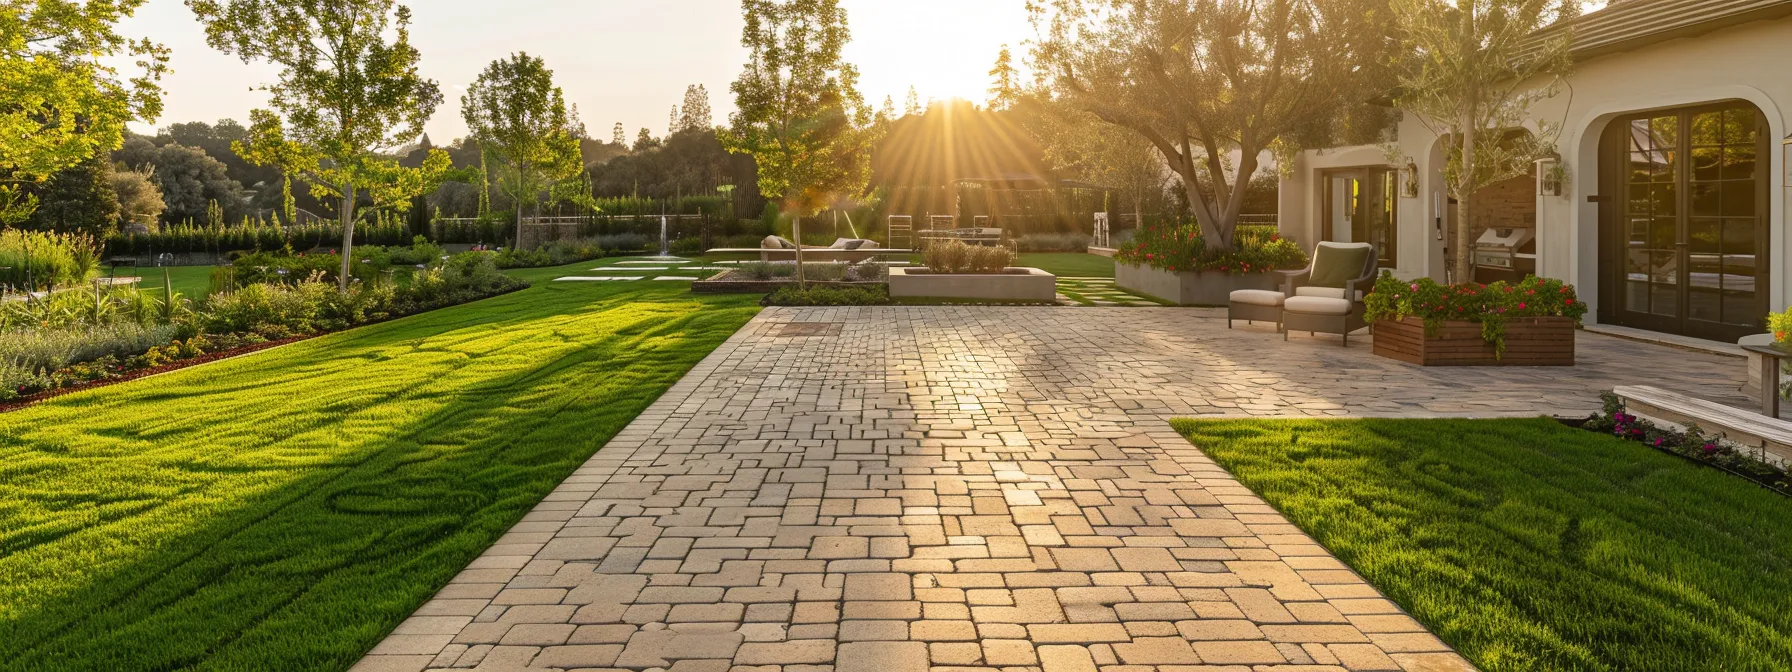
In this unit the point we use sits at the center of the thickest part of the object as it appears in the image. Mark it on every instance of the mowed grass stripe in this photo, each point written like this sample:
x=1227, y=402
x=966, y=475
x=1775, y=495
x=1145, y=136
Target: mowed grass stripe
x=286, y=510
x=1528, y=545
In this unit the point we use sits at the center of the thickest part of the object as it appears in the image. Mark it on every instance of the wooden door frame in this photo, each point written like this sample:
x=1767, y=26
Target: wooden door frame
x=1390, y=257
x=1613, y=255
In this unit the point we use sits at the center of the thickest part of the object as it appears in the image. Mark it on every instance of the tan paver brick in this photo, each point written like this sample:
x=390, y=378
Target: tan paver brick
x=965, y=487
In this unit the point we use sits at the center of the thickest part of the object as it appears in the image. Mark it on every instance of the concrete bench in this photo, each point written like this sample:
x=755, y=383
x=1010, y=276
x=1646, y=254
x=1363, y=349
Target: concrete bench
x=1746, y=428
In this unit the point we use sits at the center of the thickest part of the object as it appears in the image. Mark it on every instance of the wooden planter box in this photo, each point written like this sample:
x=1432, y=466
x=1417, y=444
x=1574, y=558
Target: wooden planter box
x=1530, y=341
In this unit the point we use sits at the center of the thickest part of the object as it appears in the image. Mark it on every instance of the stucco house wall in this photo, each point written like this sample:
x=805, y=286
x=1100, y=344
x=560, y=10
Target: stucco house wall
x=1746, y=62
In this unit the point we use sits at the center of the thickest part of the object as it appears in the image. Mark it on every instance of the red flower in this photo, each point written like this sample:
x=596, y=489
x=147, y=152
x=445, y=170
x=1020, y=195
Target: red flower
x=1570, y=302
x=1521, y=305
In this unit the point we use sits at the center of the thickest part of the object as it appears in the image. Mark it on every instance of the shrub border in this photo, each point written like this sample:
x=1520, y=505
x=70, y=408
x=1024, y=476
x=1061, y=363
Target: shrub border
x=46, y=395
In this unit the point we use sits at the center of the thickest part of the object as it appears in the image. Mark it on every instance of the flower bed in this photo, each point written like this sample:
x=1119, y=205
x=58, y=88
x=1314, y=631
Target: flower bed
x=1179, y=248
x=46, y=346
x=179, y=356
x=1692, y=444
x=1417, y=317
x=1171, y=262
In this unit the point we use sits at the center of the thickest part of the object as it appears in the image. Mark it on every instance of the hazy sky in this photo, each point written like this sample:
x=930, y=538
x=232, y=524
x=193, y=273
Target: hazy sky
x=619, y=60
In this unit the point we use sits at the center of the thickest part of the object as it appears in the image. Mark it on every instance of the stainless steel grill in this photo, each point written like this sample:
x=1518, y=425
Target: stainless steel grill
x=1505, y=254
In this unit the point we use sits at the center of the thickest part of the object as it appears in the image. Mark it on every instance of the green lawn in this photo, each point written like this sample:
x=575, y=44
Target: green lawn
x=1070, y=264
x=1533, y=546
x=191, y=281
x=285, y=510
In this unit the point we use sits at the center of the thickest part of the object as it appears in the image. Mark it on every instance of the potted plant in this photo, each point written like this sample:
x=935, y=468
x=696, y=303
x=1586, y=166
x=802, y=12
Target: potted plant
x=1779, y=328
x=955, y=270
x=1531, y=323
x=1173, y=263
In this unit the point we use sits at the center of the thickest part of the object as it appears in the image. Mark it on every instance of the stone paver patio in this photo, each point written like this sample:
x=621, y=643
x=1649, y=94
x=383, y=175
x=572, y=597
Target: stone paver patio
x=895, y=489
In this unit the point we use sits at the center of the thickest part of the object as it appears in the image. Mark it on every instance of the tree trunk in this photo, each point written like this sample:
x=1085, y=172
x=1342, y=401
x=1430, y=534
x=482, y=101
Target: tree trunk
x=1465, y=260
x=1211, y=236
x=796, y=231
x=347, y=213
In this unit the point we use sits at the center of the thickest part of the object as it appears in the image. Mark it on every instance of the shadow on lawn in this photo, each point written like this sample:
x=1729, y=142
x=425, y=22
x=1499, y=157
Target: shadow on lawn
x=286, y=511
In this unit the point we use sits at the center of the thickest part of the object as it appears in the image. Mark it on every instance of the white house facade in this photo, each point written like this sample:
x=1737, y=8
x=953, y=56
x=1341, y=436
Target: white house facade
x=1668, y=206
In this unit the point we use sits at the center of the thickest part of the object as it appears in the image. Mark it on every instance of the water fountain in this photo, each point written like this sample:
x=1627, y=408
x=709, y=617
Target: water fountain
x=665, y=255
x=664, y=251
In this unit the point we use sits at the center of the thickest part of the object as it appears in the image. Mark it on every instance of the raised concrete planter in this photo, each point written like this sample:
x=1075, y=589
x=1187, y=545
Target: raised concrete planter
x=1014, y=284
x=1753, y=388
x=1205, y=288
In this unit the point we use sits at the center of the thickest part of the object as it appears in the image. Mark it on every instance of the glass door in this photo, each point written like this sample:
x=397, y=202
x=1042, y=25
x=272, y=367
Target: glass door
x=1690, y=235
x=1360, y=207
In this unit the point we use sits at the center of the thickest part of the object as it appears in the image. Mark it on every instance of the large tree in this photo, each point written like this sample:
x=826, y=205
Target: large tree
x=798, y=109
x=1080, y=144
x=189, y=178
x=1471, y=69
x=1208, y=80
x=695, y=114
x=60, y=104
x=76, y=199
x=1004, y=84
x=348, y=91
x=139, y=198
x=517, y=113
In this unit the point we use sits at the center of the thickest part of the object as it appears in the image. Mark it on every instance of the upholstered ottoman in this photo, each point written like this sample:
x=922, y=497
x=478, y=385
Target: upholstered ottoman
x=1314, y=314
x=1252, y=305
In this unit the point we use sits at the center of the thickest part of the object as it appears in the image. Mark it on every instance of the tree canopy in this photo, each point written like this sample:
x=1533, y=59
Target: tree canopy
x=190, y=180
x=799, y=113
x=1471, y=70
x=1004, y=86
x=517, y=113
x=76, y=199
x=60, y=103
x=1207, y=80
x=694, y=115
x=348, y=89
x=139, y=198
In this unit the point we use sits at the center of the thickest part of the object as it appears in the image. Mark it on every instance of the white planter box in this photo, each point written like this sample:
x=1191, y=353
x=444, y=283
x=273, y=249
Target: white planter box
x=1016, y=284
x=1204, y=288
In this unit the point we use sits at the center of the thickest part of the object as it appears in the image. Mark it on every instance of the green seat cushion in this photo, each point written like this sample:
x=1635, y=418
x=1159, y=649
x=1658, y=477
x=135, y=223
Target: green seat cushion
x=1334, y=266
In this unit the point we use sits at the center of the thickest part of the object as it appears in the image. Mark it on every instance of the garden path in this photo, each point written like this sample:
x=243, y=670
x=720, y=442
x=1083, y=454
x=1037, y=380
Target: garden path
x=894, y=489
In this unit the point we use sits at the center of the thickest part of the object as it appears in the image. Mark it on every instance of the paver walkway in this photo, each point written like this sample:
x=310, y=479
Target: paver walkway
x=895, y=489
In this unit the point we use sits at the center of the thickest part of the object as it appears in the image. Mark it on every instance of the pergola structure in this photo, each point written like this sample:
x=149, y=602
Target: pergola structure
x=1028, y=203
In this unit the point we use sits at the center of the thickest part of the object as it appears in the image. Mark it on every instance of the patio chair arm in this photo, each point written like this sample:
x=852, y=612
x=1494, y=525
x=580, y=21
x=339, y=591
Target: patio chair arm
x=1351, y=287
x=1292, y=280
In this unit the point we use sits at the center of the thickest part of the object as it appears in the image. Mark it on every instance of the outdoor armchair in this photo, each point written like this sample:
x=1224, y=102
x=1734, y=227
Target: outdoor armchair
x=1327, y=296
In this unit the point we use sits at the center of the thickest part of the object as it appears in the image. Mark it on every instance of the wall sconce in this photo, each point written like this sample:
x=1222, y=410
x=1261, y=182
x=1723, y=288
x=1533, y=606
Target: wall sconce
x=1409, y=180
x=1552, y=178
x=1786, y=159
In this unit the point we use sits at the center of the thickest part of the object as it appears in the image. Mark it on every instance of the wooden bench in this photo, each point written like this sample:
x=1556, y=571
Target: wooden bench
x=1746, y=428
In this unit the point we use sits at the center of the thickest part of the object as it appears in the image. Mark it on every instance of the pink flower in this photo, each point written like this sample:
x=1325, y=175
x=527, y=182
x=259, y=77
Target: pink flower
x=1521, y=305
